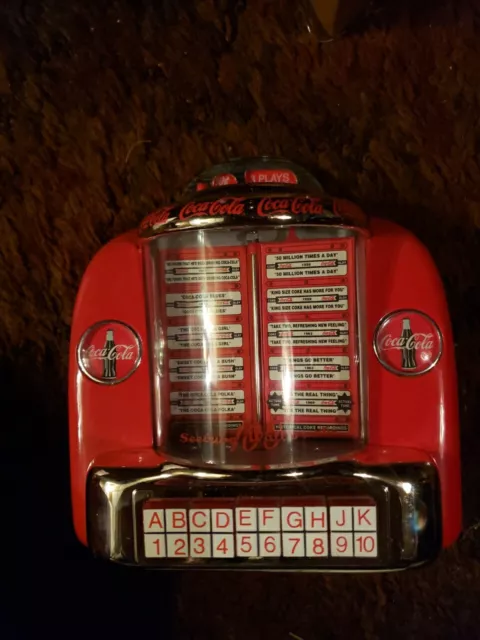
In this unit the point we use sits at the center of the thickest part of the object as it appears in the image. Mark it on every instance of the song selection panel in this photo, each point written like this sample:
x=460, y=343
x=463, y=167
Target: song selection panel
x=308, y=336
x=205, y=312
x=314, y=527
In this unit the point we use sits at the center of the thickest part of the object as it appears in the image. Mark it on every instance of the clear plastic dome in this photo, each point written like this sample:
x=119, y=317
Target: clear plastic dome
x=255, y=295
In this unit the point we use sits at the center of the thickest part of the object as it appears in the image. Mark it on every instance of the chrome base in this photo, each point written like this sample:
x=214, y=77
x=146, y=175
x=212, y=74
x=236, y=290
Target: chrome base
x=407, y=498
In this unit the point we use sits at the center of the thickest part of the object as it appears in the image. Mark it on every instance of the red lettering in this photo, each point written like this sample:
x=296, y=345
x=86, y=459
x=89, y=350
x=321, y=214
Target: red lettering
x=312, y=206
x=201, y=524
x=245, y=517
x=230, y=207
x=270, y=175
x=267, y=206
x=241, y=439
x=265, y=515
x=155, y=520
x=226, y=519
x=363, y=517
x=225, y=206
x=297, y=523
x=156, y=218
x=178, y=520
x=296, y=206
x=320, y=518
x=341, y=524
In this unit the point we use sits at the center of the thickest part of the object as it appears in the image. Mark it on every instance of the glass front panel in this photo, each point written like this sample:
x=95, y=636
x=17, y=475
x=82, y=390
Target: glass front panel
x=256, y=336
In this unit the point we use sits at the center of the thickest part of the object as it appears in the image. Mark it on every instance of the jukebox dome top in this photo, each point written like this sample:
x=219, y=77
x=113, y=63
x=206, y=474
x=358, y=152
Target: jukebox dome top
x=259, y=191
x=255, y=173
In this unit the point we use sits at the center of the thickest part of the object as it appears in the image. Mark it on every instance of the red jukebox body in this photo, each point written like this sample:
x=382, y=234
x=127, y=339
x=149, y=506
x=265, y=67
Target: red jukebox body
x=263, y=378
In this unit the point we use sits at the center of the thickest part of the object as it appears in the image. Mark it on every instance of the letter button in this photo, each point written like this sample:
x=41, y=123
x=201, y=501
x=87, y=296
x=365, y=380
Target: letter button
x=365, y=518
x=341, y=518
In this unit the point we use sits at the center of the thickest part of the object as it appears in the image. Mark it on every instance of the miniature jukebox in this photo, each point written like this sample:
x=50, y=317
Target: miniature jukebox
x=263, y=378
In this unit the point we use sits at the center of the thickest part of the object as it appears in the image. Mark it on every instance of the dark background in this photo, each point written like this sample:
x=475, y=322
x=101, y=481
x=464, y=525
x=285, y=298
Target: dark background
x=107, y=109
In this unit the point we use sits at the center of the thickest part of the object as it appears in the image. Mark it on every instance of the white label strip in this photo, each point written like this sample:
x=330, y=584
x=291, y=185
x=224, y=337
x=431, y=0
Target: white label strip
x=317, y=427
x=199, y=369
x=307, y=300
x=307, y=265
x=202, y=402
x=212, y=302
x=303, y=403
x=310, y=368
x=308, y=334
x=288, y=531
x=213, y=270
x=223, y=336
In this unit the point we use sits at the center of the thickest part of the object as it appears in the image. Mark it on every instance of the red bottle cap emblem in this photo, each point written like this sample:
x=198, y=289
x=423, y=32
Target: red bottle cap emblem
x=109, y=352
x=408, y=342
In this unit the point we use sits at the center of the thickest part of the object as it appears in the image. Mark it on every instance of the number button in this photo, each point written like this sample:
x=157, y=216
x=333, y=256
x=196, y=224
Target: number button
x=317, y=545
x=223, y=545
x=293, y=545
x=270, y=545
x=366, y=545
x=177, y=545
x=247, y=545
x=154, y=546
x=342, y=545
x=200, y=546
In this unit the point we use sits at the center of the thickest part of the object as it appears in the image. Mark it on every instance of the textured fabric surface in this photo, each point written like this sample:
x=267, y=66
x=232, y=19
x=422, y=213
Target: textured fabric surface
x=106, y=110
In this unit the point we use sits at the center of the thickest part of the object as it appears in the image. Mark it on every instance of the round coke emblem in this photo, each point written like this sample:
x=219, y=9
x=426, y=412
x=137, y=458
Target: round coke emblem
x=408, y=342
x=109, y=352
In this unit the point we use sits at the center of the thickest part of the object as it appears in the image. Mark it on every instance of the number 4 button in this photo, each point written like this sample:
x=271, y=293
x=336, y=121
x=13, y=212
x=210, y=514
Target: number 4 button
x=223, y=545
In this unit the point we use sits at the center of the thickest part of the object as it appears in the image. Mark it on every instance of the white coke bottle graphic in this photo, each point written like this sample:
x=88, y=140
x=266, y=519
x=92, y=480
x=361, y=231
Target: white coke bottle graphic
x=109, y=364
x=409, y=359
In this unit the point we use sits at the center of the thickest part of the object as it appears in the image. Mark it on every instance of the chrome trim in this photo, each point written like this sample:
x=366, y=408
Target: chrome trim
x=113, y=381
x=152, y=313
x=406, y=374
x=407, y=496
x=361, y=332
x=256, y=340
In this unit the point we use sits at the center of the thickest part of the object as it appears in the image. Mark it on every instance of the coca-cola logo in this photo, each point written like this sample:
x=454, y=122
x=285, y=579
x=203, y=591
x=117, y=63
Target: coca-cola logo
x=156, y=218
x=222, y=207
x=296, y=206
x=248, y=207
x=118, y=352
x=408, y=342
x=109, y=352
x=415, y=341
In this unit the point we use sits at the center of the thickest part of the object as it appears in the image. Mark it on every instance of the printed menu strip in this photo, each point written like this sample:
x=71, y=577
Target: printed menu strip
x=300, y=403
x=201, y=369
x=224, y=336
x=202, y=402
x=315, y=428
x=307, y=265
x=214, y=302
x=307, y=300
x=301, y=368
x=308, y=334
x=214, y=270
